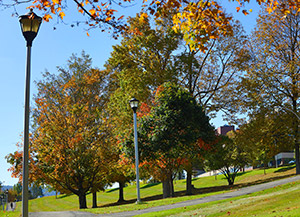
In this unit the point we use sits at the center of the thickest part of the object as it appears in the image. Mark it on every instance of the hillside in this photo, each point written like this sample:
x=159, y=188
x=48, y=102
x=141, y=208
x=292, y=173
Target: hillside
x=152, y=193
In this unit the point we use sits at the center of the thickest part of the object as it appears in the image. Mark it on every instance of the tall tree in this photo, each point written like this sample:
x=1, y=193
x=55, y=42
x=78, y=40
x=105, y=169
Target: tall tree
x=264, y=136
x=142, y=62
x=36, y=191
x=18, y=189
x=208, y=76
x=273, y=77
x=72, y=136
x=228, y=157
x=137, y=66
x=70, y=147
x=168, y=133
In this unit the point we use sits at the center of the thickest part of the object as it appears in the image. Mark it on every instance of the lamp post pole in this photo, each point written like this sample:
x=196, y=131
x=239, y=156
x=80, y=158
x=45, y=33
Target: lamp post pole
x=30, y=24
x=2, y=202
x=134, y=105
x=6, y=192
x=26, y=138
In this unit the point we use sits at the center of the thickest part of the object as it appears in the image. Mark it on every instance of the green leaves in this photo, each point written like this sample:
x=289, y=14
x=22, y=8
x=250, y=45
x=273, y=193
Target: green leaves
x=175, y=122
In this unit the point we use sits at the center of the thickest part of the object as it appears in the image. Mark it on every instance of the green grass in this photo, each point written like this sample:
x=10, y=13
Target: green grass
x=152, y=194
x=283, y=200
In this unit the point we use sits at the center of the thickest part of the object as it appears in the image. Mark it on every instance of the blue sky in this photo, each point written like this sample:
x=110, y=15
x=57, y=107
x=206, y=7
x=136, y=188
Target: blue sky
x=51, y=48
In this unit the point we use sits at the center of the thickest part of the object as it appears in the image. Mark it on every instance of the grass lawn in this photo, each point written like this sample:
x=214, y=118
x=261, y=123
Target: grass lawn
x=283, y=200
x=151, y=194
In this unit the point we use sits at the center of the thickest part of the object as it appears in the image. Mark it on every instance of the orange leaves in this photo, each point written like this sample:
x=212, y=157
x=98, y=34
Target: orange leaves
x=200, y=22
x=144, y=110
x=92, y=12
x=271, y=5
x=121, y=17
x=71, y=132
x=107, y=19
x=47, y=17
x=61, y=15
x=245, y=12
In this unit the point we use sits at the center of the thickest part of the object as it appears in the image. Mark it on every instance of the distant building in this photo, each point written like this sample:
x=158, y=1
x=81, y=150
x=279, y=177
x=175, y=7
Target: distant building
x=224, y=129
x=284, y=158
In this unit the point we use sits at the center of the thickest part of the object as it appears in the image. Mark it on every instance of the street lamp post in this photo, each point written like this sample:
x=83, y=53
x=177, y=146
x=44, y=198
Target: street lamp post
x=134, y=105
x=2, y=201
x=6, y=193
x=30, y=24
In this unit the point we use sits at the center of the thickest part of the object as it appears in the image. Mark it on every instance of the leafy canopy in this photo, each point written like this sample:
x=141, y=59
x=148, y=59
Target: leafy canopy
x=199, y=21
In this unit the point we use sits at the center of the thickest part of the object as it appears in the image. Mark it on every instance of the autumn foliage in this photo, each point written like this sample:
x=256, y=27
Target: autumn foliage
x=199, y=21
x=70, y=147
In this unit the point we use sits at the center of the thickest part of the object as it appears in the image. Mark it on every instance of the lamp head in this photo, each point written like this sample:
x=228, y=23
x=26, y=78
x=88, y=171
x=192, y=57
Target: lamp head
x=134, y=103
x=30, y=25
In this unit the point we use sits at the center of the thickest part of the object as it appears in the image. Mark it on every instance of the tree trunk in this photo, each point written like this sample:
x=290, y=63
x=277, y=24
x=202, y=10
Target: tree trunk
x=189, y=187
x=172, y=187
x=121, y=192
x=297, y=156
x=166, y=189
x=230, y=180
x=82, y=201
x=94, y=200
x=296, y=135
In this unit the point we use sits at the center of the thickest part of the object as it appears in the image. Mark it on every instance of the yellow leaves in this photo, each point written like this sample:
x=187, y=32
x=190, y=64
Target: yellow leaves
x=143, y=17
x=200, y=22
x=61, y=15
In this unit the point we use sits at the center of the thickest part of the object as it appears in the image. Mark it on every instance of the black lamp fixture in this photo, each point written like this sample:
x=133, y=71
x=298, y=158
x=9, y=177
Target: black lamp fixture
x=30, y=25
x=134, y=103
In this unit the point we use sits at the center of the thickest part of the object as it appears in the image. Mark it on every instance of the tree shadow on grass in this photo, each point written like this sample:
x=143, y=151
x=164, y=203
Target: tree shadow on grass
x=150, y=185
x=284, y=169
x=112, y=190
x=237, y=175
x=199, y=191
x=61, y=196
x=144, y=199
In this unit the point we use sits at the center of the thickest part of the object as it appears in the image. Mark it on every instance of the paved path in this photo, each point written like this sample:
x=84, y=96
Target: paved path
x=239, y=192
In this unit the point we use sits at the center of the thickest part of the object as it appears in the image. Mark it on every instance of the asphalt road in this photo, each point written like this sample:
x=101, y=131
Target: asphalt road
x=239, y=192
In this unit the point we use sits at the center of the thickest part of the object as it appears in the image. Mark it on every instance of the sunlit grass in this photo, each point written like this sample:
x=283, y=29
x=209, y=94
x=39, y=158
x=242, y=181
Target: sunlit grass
x=279, y=201
x=151, y=194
